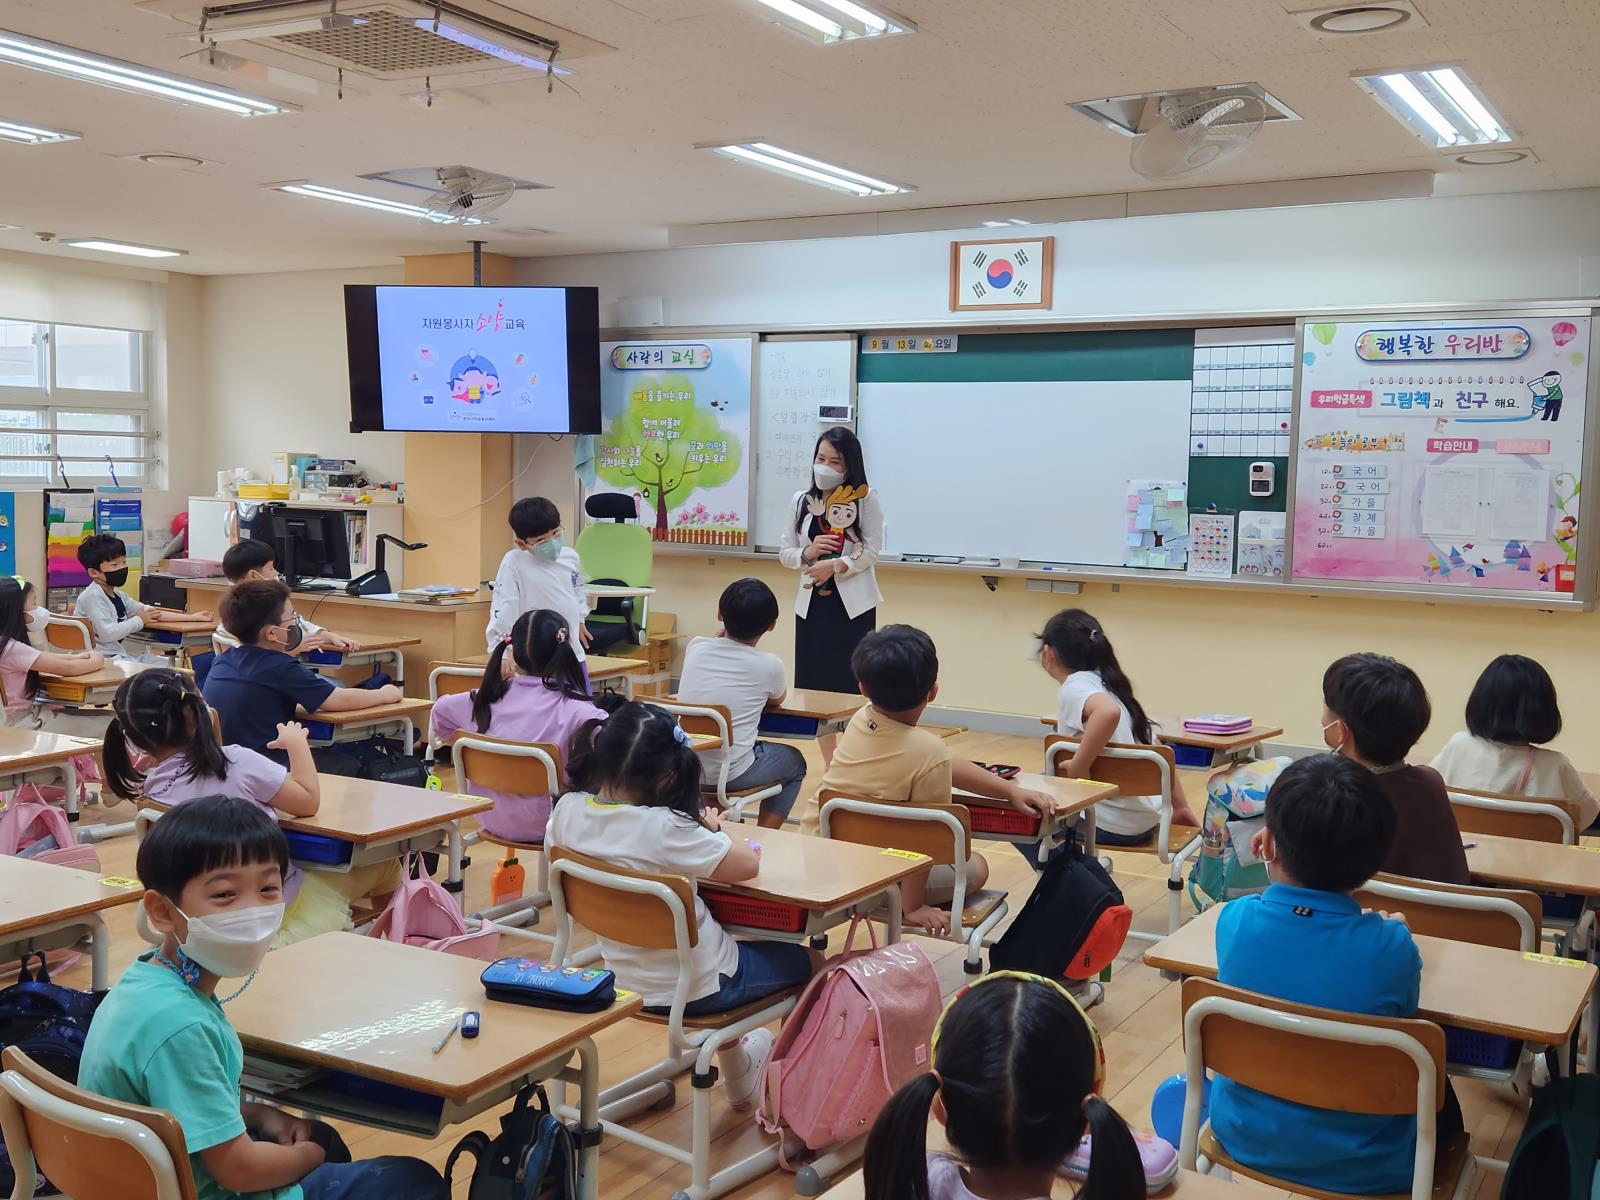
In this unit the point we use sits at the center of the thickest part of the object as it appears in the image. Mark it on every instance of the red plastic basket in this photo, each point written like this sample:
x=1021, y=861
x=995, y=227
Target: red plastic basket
x=988, y=818
x=749, y=912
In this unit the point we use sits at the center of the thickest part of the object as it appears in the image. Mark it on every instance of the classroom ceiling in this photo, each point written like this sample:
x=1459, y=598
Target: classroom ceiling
x=969, y=109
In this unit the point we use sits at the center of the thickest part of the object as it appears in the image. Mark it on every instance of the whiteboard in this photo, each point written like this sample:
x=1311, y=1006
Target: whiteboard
x=1032, y=470
x=794, y=377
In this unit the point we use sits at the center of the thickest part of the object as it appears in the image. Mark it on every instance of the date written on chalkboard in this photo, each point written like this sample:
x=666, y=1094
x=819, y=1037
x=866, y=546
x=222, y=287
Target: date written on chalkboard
x=906, y=343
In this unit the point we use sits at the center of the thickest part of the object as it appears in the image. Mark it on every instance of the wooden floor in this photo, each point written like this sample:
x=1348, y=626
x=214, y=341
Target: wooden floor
x=1139, y=1019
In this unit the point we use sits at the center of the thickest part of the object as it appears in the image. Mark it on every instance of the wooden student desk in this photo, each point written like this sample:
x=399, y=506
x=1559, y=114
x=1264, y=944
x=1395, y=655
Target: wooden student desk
x=1232, y=746
x=1484, y=988
x=375, y=651
x=397, y=718
x=806, y=713
x=1074, y=798
x=94, y=689
x=351, y=1006
x=830, y=880
x=1539, y=866
x=1187, y=1186
x=34, y=755
x=44, y=906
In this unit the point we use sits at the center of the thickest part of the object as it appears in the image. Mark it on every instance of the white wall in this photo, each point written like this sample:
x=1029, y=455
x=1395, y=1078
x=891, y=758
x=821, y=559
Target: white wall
x=1441, y=250
x=274, y=373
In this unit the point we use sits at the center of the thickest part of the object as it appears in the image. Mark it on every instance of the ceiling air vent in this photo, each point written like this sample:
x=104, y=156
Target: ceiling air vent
x=1132, y=115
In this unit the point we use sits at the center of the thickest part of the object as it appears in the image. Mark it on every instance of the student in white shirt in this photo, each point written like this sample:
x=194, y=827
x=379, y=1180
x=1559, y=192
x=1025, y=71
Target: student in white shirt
x=253, y=559
x=729, y=670
x=1096, y=705
x=1511, y=711
x=636, y=805
x=111, y=613
x=538, y=572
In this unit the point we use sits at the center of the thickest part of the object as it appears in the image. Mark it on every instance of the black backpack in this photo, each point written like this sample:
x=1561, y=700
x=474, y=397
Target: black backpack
x=533, y=1158
x=1557, y=1156
x=1073, y=924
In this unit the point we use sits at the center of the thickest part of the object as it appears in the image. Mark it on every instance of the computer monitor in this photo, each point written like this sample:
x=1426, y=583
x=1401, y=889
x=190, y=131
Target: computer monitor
x=307, y=543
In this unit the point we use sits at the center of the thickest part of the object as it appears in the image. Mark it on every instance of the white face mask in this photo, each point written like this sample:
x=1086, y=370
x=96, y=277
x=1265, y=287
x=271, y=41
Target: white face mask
x=38, y=618
x=230, y=944
x=827, y=478
x=1339, y=749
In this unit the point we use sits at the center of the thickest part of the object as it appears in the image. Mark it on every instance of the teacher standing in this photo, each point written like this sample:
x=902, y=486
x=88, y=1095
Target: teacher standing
x=833, y=538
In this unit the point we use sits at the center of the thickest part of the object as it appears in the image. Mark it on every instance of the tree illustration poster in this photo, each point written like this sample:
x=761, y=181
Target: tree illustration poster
x=675, y=435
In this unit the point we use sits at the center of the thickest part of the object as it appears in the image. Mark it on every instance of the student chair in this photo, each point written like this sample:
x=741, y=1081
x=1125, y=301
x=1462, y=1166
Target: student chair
x=656, y=912
x=941, y=831
x=715, y=720
x=614, y=548
x=1138, y=771
x=1326, y=1059
x=222, y=641
x=86, y=1145
x=447, y=679
x=526, y=769
x=72, y=635
x=1502, y=815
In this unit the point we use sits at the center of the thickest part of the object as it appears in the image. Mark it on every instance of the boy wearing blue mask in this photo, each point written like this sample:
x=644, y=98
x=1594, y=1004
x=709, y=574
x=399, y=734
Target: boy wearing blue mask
x=213, y=873
x=539, y=571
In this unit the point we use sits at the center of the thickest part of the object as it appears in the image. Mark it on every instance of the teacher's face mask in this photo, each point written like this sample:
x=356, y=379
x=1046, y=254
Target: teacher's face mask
x=827, y=478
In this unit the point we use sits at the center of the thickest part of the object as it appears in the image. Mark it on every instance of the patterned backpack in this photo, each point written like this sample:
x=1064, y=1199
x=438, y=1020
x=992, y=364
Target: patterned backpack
x=1236, y=806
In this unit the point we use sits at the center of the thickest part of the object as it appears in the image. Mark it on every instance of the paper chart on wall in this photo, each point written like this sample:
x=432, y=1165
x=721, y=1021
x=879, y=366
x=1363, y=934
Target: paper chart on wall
x=1446, y=453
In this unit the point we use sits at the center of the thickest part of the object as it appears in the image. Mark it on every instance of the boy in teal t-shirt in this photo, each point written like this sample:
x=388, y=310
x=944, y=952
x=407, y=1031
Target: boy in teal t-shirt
x=214, y=873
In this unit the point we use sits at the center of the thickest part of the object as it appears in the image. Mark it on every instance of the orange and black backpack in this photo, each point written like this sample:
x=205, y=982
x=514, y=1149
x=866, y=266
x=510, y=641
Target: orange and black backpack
x=1072, y=926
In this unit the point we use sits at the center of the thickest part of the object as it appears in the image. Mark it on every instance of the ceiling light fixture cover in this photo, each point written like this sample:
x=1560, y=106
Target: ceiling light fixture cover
x=833, y=21
x=33, y=135
x=1494, y=158
x=318, y=191
x=803, y=166
x=1438, y=104
x=112, y=247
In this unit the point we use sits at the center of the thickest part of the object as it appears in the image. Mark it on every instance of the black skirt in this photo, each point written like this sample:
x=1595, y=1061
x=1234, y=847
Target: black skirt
x=824, y=640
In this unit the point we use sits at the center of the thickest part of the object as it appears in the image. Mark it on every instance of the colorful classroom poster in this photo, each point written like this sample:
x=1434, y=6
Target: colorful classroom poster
x=1443, y=453
x=1158, y=524
x=1211, y=544
x=676, y=426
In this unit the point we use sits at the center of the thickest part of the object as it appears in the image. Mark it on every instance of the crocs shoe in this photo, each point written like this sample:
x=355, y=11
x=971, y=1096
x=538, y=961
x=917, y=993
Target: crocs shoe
x=1156, y=1155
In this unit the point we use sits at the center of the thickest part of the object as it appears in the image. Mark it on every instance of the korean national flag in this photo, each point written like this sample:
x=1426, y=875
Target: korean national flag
x=1001, y=274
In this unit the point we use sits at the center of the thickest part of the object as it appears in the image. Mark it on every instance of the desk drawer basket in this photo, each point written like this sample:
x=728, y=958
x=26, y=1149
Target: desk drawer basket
x=748, y=912
x=1190, y=756
x=316, y=850
x=988, y=818
x=1561, y=906
x=1470, y=1048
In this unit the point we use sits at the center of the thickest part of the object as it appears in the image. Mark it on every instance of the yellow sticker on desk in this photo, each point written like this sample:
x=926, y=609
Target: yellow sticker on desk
x=1097, y=783
x=903, y=854
x=1590, y=849
x=625, y=994
x=1553, y=959
x=120, y=881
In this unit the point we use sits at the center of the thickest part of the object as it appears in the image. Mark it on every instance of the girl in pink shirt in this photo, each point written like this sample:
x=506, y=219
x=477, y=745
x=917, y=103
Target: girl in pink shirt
x=533, y=690
x=19, y=661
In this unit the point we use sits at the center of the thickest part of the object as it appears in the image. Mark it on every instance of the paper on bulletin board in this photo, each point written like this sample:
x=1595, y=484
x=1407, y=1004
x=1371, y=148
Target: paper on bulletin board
x=1261, y=541
x=1447, y=453
x=1158, y=524
x=1211, y=544
x=8, y=533
x=676, y=431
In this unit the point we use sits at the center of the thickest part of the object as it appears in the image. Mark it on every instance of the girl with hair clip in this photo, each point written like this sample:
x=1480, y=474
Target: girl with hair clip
x=1096, y=705
x=162, y=745
x=636, y=805
x=1016, y=1070
x=20, y=663
x=533, y=690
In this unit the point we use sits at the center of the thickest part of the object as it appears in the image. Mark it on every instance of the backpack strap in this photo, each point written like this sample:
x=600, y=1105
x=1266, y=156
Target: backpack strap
x=1520, y=787
x=476, y=1144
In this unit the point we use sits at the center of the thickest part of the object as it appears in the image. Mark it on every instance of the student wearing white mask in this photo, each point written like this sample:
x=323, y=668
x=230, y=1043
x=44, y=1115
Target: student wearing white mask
x=213, y=873
x=833, y=540
x=21, y=620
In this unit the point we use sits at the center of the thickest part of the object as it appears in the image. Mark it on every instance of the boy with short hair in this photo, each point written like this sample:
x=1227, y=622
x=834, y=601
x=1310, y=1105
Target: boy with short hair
x=538, y=572
x=252, y=560
x=883, y=756
x=260, y=685
x=112, y=613
x=729, y=670
x=1306, y=940
x=213, y=873
x=1374, y=710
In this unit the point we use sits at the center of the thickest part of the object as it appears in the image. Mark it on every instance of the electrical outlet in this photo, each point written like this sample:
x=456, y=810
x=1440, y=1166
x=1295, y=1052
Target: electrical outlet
x=1032, y=654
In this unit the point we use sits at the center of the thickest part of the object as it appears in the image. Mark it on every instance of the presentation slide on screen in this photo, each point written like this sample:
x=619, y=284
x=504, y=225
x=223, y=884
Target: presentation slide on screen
x=473, y=358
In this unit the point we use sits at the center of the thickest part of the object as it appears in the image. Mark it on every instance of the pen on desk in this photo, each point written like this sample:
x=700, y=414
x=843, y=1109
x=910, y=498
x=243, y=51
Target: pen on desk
x=1468, y=845
x=448, y=1034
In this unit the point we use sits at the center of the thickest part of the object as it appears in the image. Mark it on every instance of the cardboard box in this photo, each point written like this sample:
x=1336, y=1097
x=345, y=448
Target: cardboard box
x=657, y=651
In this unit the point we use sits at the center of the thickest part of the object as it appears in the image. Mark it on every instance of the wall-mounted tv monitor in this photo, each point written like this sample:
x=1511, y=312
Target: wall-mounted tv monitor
x=473, y=359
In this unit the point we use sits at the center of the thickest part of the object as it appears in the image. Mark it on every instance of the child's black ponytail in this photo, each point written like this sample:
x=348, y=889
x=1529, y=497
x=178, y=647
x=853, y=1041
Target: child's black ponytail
x=896, y=1158
x=1115, y=1170
x=492, y=689
x=160, y=711
x=1080, y=644
x=540, y=643
x=639, y=754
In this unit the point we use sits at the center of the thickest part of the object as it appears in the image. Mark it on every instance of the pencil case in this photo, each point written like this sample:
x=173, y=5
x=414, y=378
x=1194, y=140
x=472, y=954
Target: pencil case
x=547, y=985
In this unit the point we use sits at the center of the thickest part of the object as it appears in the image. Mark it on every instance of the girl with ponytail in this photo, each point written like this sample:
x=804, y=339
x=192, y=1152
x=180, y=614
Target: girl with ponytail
x=1096, y=705
x=1015, y=1075
x=636, y=805
x=162, y=745
x=533, y=690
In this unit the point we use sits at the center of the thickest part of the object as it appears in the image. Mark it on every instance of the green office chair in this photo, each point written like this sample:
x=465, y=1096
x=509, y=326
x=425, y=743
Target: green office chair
x=614, y=548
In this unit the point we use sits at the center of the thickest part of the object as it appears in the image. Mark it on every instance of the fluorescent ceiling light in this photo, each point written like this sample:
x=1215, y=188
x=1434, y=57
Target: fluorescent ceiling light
x=482, y=45
x=1438, y=104
x=130, y=77
x=132, y=248
x=1006, y=223
x=271, y=29
x=831, y=21
x=812, y=170
x=33, y=135
x=317, y=191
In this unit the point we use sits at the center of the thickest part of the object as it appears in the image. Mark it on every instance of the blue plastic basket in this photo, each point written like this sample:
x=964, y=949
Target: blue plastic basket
x=318, y=849
x=784, y=725
x=389, y=1095
x=1190, y=756
x=1561, y=906
x=1469, y=1048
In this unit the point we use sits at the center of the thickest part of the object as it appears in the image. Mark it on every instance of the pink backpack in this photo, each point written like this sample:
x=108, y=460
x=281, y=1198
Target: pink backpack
x=421, y=913
x=858, y=1033
x=88, y=771
x=29, y=819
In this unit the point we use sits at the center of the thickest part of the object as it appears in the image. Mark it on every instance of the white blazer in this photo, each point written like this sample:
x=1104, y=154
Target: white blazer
x=858, y=583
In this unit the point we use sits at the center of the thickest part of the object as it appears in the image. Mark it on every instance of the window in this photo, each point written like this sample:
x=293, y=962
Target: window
x=70, y=396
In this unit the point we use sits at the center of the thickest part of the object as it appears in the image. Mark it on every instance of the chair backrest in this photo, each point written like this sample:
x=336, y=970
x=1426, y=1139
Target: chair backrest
x=1136, y=770
x=1503, y=917
x=941, y=831
x=1500, y=815
x=446, y=679
x=69, y=634
x=222, y=641
x=713, y=720
x=608, y=550
x=498, y=765
x=624, y=906
x=89, y=1146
